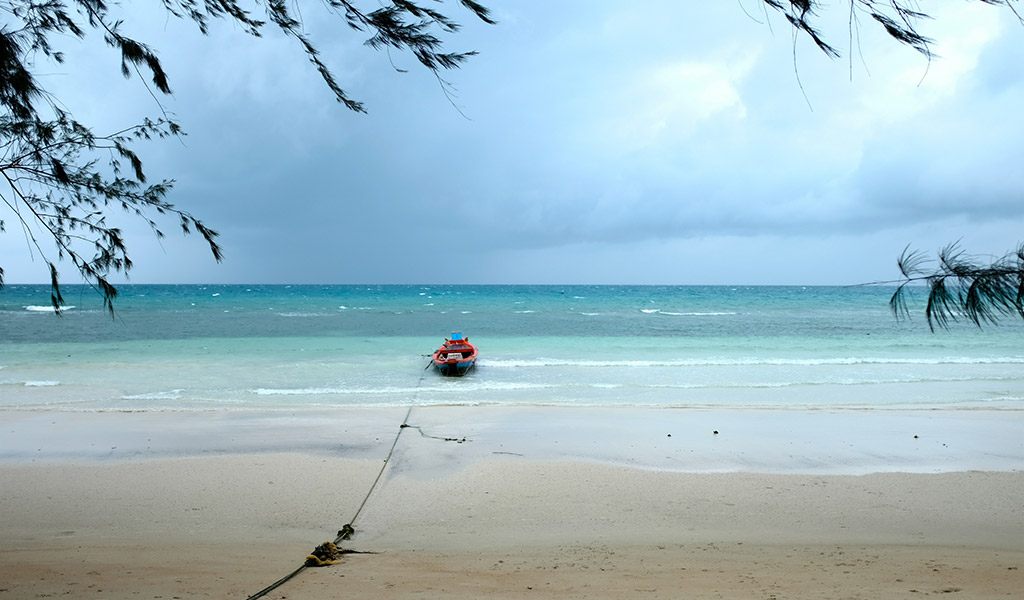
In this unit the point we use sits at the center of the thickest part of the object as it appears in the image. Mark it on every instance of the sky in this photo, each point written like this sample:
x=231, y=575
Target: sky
x=589, y=141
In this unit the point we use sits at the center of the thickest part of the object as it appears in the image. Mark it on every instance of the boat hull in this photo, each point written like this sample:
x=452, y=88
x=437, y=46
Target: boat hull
x=455, y=357
x=454, y=369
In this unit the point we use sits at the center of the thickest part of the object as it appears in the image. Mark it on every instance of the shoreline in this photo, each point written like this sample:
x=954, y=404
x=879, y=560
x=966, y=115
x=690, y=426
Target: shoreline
x=697, y=440
x=503, y=502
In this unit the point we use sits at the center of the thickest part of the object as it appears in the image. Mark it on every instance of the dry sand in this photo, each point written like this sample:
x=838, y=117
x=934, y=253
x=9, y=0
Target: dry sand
x=499, y=525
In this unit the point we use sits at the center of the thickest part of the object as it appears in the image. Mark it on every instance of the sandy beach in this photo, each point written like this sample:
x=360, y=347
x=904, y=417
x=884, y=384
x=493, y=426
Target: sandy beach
x=488, y=502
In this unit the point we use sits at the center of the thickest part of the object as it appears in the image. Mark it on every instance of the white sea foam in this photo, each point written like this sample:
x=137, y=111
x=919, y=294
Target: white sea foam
x=168, y=395
x=477, y=385
x=319, y=391
x=46, y=309
x=655, y=311
x=810, y=381
x=41, y=383
x=749, y=361
x=446, y=386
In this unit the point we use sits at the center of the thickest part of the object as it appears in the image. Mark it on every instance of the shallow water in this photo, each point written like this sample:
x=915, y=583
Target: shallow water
x=192, y=347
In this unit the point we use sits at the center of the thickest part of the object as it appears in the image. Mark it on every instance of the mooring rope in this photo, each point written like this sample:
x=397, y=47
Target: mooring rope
x=348, y=529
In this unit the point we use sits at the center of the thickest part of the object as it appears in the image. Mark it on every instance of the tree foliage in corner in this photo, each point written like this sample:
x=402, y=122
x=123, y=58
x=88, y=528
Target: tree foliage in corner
x=960, y=286
x=899, y=18
x=59, y=180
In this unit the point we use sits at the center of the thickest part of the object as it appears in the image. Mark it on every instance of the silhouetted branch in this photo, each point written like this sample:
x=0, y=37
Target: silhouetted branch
x=962, y=287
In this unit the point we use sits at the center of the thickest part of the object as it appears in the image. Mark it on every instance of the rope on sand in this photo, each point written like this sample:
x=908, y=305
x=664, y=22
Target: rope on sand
x=347, y=530
x=329, y=553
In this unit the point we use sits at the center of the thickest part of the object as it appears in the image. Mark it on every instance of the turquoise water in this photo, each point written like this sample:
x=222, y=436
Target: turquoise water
x=218, y=347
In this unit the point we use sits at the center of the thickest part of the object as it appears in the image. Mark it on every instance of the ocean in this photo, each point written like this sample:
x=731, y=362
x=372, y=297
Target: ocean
x=284, y=347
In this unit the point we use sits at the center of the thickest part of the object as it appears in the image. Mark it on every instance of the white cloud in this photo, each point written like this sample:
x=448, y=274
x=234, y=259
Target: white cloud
x=663, y=99
x=668, y=102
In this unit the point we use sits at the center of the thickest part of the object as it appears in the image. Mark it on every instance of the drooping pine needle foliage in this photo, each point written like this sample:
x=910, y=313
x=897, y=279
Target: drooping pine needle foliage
x=962, y=287
x=899, y=18
x=60, y=181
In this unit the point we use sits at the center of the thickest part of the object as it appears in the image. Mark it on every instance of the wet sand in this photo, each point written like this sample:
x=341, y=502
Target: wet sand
x=477, y=503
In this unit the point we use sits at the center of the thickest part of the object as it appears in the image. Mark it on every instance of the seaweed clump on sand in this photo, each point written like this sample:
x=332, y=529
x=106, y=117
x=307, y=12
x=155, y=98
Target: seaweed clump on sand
x=325, y=554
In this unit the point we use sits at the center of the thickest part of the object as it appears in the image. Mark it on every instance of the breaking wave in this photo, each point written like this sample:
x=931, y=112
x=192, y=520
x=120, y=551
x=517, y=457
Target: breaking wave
x=45, y=309
x=739, y=362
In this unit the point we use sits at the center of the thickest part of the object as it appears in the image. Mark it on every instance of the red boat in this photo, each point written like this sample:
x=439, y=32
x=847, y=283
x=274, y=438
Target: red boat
x=455, y=356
